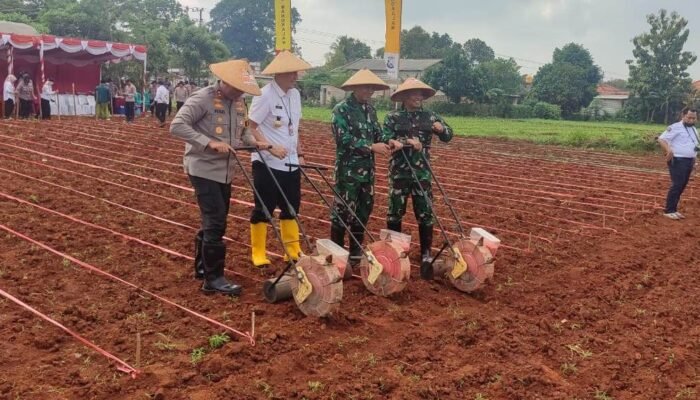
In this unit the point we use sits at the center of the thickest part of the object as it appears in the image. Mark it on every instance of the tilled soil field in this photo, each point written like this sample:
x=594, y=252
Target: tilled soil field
x=594, y=296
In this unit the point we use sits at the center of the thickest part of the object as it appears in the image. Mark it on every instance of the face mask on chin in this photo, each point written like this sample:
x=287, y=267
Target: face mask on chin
x=689, y=125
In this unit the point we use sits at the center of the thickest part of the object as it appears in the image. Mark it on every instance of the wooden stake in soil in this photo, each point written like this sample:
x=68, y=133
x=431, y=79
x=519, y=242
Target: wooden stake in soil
x=138, y=349
x=75, y=102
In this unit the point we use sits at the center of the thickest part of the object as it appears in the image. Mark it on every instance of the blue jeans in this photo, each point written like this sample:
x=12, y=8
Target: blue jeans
x=680, y=170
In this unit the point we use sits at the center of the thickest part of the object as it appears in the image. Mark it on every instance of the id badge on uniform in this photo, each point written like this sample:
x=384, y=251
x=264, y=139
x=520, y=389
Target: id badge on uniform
x=291, y=128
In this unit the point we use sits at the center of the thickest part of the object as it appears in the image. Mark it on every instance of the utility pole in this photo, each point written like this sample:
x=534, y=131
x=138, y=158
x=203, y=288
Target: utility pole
x=200, y=10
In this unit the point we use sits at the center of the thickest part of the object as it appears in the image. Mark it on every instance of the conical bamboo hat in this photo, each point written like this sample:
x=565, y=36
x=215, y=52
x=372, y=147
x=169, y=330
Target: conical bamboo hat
x=285, y=61
x=409, y=85
x=237, y=73
x=364, y=77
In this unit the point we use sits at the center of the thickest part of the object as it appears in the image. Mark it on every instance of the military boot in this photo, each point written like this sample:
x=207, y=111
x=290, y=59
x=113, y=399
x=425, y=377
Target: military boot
x=198, y=263
x=338, y=235
x=425, y=234
x=214, y=256
x=356, y=247
x=394, y=226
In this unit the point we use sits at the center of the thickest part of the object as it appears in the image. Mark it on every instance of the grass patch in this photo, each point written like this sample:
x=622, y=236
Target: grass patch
x=197, y=355
x=621, y=136
x=217, y=341
x=583, y=353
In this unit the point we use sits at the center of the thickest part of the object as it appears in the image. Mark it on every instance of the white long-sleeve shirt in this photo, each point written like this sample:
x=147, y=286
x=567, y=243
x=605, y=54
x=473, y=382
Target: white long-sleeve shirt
x=8, y=92
x=162, y=95
x=47, y=91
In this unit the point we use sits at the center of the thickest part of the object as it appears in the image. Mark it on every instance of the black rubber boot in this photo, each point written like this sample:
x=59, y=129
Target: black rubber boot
x=214, y=256
x=338, y=235
x=355, y=248
x=394, y=226
x=198, y=263
x=426, y=241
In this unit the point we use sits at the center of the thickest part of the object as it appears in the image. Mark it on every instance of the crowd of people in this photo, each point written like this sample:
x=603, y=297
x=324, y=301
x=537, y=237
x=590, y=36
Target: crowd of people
x=216, y=119
x=21, y=99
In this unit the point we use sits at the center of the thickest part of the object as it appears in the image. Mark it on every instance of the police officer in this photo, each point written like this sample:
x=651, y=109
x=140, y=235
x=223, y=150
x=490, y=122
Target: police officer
x=415, y=126
x=274, y=122
x=681, y=144
x=210, y=123
x=358, y=136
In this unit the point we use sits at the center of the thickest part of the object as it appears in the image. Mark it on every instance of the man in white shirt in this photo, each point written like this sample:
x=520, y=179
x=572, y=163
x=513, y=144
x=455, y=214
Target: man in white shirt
x=47, y=94
x=161, y=100
x=8, y=95
x=129, y=101
x=681, y=144
x=274, y=120
x=181, y=95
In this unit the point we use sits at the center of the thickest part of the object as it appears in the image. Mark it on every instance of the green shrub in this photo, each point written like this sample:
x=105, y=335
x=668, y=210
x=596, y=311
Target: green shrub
x=546, y=111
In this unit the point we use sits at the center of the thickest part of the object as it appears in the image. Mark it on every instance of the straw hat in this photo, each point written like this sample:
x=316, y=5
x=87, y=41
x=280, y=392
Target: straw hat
x=364, y=77
x=237, y=73
x=412, y=84
x=285, y=61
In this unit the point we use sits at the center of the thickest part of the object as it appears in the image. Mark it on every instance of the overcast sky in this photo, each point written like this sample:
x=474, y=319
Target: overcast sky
x=527, y=30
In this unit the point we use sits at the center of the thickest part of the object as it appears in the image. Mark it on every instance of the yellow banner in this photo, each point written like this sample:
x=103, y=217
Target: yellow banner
x=283, y=25
x=393, y=26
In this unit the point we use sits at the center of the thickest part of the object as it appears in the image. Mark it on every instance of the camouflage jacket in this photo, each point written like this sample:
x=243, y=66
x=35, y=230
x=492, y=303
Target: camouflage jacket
x=355, y=129
x=401, y=125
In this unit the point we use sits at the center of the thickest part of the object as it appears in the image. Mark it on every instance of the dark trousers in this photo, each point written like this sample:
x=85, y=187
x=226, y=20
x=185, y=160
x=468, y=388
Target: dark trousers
x=680, y=170
x=161, y=108
x=129, y=110
x=213, y=199
x=179, y=104
x=291, y=186
x=25, y=108
x=170, y=106
x=45, y=109
x=9, y=108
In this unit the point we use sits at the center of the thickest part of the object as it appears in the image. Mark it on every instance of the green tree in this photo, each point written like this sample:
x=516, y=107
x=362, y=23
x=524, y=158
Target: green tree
x=456, y=77
x=569, y=81
x=24, y=19
x=247, y=27
x=658, y=74
x=418, y=43
x=194, y=47
x=310, y=83
x=502, y=75
x=477, y=51
x=345, y=50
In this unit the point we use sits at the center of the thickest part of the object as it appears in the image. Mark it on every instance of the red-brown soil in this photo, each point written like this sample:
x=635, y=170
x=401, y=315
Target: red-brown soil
x=595, y=293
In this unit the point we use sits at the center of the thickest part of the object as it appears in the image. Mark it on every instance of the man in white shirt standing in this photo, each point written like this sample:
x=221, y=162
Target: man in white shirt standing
x=8, y=95
x=129, y=101
x=681, y=144
x=274, y=120
x=162, y=98
x=47, y=94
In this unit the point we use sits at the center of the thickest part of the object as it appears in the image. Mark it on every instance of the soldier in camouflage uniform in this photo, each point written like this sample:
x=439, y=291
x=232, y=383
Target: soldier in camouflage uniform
x=415, y=126
x=358, y=135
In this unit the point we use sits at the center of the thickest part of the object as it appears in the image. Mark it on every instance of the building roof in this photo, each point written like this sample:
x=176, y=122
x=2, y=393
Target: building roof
x=377, y=64
x=17, y=28
x=609, y=90
x=696, y=86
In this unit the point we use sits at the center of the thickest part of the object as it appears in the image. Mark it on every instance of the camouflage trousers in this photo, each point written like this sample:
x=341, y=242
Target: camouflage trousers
x=360, y=198
x=399, y=190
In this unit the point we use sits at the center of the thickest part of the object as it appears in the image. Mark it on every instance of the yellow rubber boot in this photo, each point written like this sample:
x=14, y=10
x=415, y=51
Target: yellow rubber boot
x=258, y=238
x=290, y=237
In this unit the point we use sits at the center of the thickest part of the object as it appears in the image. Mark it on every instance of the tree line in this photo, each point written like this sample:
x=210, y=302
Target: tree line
x=469, y=72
